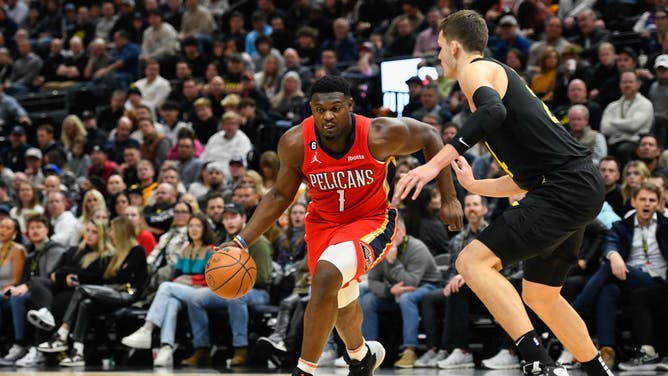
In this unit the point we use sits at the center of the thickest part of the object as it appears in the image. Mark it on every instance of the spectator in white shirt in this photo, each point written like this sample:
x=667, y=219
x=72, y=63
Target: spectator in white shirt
x=66, y=228
x=228, y=142
x=154, y=88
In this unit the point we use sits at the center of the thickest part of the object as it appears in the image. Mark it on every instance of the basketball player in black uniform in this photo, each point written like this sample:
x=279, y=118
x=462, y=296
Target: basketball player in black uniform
x=564, y=192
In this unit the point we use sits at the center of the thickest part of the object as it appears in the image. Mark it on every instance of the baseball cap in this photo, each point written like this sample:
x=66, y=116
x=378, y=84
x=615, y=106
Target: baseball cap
x=69, y=7
x=51, y=167
x=134, y=90
x=661, y=61
x=215, y=166
x=34, y=152
x=5, y=209
x=508, y=20
x=238, y=159
x=128, y=2
x=99, y=147
x=233, y=207
x=414, y=79
x=236, y=57
x=88, y=114
x=629, y=51
x=18, y=130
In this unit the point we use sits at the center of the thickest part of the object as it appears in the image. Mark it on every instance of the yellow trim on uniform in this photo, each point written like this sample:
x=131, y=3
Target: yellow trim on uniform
x=386, y=184
x=503, y=165
x=370, y=237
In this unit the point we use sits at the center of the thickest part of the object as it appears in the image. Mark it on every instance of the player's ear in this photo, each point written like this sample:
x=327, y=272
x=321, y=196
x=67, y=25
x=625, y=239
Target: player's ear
x=350, y=104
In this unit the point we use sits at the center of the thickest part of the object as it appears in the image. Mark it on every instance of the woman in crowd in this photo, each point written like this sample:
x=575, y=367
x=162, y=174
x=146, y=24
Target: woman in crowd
x=91, y=201
x=188, y=276
x=12, y=262
x=73, y=130
x=269, y=79
x=118, y=203
x=269, y=168
x=254, y=178
x=423, y=222
x=143, y=236
x=543, y=82
x=122, y=280
x=27, y=205
x=634, y=174
x=288, y=104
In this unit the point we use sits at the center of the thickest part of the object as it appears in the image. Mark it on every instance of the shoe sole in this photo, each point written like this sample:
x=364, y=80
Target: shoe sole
x=37, y=322
x=515, y=366
x=272, y=344
x=51, y=350
x=648, y=367
x=458, y=366
x=380, y=356
x=83, y=364
x=125, y=343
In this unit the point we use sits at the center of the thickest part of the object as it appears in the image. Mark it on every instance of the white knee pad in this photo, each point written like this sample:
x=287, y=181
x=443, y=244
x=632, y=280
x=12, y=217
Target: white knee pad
x=344, y=257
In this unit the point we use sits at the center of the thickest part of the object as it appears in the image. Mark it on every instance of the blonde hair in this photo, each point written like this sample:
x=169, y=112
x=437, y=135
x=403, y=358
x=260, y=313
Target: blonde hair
x=104, y=247
x=257, y=181
x=124, y=241
x=87, y=214
x=142, y=223
x=72, y=120
x=192, y=201
x=627, y=190
x=282, y=95
x=33, y=202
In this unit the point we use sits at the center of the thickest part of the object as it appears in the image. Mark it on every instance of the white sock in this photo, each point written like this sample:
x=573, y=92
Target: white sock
x=62, y=333
x=358, y=353
x=78, y=347
x=648, y=349
x=307, y=366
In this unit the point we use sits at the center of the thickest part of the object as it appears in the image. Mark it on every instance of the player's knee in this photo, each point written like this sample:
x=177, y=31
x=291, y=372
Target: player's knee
x=327, y=279
x=537, y=298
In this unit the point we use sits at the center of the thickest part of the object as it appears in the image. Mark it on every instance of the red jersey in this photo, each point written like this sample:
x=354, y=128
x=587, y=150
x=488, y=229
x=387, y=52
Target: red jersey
x=346, y=186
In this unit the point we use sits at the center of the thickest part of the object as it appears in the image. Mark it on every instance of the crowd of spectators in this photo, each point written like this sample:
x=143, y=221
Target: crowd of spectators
x=169, y=143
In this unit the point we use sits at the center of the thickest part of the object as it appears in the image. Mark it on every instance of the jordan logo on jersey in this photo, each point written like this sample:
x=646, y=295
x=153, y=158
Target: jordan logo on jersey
x=315, y=158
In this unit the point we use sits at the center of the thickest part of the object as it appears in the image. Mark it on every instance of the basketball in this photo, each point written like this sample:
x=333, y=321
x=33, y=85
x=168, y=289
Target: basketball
x=230, y=273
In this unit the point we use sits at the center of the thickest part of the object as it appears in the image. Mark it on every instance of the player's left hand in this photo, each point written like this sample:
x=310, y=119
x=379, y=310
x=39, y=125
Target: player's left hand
x=416, y=178
x=452, y=214
x=228, y=247
x=464, y=172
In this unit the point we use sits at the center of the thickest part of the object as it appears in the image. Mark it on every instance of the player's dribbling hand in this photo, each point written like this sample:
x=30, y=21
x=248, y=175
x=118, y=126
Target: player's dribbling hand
x=452, y=214
x=228, y=247
x=416, y=178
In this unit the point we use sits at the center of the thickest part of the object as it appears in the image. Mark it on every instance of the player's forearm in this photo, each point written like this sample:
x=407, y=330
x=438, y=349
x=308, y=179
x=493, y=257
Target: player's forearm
x=444, y=157
x=499, y=187
x=271, y=207
x=444, y=179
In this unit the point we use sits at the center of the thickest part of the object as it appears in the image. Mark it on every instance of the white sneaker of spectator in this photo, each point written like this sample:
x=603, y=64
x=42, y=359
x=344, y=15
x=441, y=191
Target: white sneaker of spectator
x=504, y=359
x=15, y=353
x=31, y=359
x=458, y=359
x=327, y=358
x=440, y=355
x=165, y=357
x=42, y=319
x=140, y=339
x=567, y=360
x=423, y=360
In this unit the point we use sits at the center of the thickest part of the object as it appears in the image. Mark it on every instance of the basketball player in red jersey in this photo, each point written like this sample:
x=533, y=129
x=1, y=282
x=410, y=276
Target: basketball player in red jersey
x=343, y=158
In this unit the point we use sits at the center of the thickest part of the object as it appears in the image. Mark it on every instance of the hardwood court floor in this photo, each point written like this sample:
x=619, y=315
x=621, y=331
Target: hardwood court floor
x=97, y=371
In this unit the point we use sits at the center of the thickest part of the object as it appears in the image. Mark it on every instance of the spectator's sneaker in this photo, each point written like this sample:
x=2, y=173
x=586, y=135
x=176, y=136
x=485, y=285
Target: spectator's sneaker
x=373, y=359
x=458, y=359
x=42, y=319
x=31, y=359
x=15, y=353
x=407, y=359
x=54, y=345
x=298, y=372
x=663, y=365
x=276, y=343
x=200, y=357
x=340, y=362
x=608, y=356
x=140, y=339
x=641, y=362
x=423, y=360
x=327, y=358
x=165, y=357
x=503, y=360
x=240, y=357
x=75, y=359
x=440, y=355
x=540, y=369
x=567, y=360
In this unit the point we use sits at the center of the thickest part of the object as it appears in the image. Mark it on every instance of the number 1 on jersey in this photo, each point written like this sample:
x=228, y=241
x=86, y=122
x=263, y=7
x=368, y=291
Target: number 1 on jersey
x=342, y=199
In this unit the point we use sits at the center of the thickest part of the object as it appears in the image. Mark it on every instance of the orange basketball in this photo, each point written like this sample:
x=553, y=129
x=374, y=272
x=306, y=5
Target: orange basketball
x=230, y=273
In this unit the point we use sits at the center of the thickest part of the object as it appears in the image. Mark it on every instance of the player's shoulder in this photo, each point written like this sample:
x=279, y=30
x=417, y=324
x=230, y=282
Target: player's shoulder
x=293, y=137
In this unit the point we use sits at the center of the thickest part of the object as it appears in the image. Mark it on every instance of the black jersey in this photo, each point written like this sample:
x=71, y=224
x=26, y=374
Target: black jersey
x=531, y=142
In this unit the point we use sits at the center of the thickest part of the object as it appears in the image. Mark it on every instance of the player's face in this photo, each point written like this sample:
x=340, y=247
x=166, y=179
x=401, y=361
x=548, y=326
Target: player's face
x=448, y=61
x=331, y=112
x=645, y=203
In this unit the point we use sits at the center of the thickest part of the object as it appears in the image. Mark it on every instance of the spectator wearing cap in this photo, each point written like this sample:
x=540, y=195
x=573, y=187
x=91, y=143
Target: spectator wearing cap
x=235, y=73
x=228, y=142
x=626, y=118
x=154, y=88
x=138, y=26
x=106, y=22
x=51, y=148
x=343, y=44
x=159, y=216
x=234, y=219
x=589, y=35
x=196, y=20
x=188, y=165
x=238, y=168
x=260, y=27
x=627, y=60
x=100, y=165
x=14, y=155
x=25, y=69
x=126, y=59
x=33, y=168
x=415, y=88
x=426, y=43
x=404, y=43
x=169, y=112
x=94, y=135
x=508, y=37
x=662, y=41
x=658, y=94
x=154, y=146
